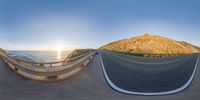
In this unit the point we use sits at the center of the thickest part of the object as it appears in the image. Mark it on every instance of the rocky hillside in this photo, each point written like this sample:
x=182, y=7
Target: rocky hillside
x=149, y=45
x=78, y=52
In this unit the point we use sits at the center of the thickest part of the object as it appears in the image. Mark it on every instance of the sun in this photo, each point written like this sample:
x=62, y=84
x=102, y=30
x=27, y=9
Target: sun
x=59, y=49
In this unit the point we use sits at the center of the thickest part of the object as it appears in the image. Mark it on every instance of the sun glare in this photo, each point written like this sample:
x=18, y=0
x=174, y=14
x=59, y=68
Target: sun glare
x=59, y=49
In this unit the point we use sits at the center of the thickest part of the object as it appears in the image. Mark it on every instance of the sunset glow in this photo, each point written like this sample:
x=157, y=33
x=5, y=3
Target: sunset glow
x=59, y=48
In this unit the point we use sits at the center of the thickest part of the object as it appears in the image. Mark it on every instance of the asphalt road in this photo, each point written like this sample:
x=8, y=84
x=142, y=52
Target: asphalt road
x=148, y=76
x=89, y=84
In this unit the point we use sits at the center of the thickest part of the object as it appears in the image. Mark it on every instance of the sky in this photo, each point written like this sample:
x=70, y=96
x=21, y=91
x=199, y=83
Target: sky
x=45, y=24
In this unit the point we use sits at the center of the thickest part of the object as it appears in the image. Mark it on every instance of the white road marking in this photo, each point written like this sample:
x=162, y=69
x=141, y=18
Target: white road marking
x=149, y=93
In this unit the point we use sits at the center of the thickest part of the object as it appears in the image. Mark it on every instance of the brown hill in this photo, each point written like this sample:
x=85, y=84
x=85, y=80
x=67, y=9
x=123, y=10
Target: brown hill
x=149, y=44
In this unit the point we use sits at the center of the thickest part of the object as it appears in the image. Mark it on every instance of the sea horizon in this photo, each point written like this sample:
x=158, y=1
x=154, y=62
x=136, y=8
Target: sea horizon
x=39, y=55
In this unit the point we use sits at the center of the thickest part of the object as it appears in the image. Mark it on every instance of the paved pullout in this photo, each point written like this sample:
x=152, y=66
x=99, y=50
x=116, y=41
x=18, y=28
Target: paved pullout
x=87, y=85
x=148, y=78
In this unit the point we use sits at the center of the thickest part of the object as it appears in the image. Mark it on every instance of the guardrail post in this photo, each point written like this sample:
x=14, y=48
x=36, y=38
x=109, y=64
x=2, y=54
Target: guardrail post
x=41, y=64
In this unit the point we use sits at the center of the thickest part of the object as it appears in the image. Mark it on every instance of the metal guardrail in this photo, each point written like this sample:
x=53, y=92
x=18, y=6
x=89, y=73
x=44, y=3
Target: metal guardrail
x=48, y=64
x=51, y=71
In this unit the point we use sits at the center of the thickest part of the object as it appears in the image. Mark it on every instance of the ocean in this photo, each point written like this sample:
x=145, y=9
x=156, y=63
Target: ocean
x=39, y=56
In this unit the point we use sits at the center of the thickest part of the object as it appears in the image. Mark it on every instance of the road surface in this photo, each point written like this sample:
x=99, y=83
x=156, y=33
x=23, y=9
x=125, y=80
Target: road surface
x=148, y=76
x=89, y=84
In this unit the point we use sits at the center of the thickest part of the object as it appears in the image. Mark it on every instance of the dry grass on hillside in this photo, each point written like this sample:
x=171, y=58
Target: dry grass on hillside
x=148, y=45
x=78, y=52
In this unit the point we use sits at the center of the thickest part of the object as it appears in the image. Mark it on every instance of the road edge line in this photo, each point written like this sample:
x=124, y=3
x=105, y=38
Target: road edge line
x=145, y=93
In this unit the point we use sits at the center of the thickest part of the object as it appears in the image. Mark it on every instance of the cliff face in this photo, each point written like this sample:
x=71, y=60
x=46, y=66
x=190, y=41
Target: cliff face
x=151, y=44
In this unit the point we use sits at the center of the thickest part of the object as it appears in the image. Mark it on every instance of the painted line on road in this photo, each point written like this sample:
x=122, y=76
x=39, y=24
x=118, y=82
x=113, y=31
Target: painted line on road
x=148, y=93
